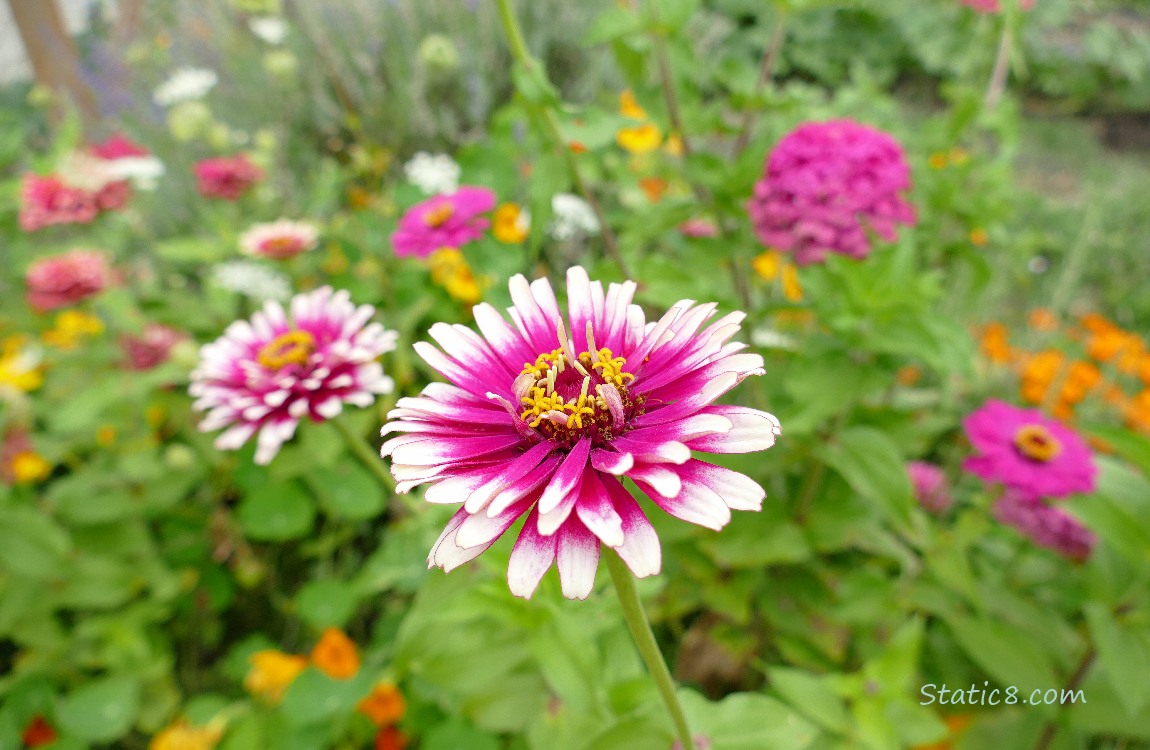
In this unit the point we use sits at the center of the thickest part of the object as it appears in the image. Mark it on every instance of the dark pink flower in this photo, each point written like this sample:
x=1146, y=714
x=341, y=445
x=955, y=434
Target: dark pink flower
x=45, y=201
x=930, y=486
x=267, y=375
x=227, y=178
x=450, y=220
x=151, y=348
x=1048, y=527
x=62, y=280
x=1028, y=452
x=547, y=415
x=827, y=185
x=698, y=228
x=118, y=147
x=994, y=6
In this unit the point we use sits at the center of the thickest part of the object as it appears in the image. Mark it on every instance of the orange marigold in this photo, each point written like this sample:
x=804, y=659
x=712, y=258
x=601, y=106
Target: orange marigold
x=654, y=187
x=390, y=738
x=383, y=705
x=336, y=655
x=1042, y=319
x=641, y=139
x=272, y=673
x=996, y=343
x=1081, y=377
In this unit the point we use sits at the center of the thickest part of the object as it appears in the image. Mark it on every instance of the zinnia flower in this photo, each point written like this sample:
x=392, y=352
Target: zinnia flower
x=930, y=486
x=226, y=177
x=994, y=6
x=269, y=374
x=185, y=84
x=68, y=278
x=546, y=416
x=383, y=705
x=272, y=673
x=118, y=146
x=336, y=655
x=151, y=348
x=45, y=201
x=698, y=227
x=1028, y=452
x=441, y=221
x=279, y=240
x=1048, y=527
x=434, y=174
x=826, y=185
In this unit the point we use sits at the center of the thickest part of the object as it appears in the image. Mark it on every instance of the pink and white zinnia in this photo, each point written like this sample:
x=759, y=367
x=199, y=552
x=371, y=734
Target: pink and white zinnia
x=268, y=374
x=546, y=417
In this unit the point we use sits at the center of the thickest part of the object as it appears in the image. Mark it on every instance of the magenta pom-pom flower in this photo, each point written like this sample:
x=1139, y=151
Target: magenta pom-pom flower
x=65, y=279
x=545, y=417
x=279, y=240
x=45, y=201
x=1028, y=452
x=267, y=374
x=451, y=220
x=1046, y=526
x=118, y=147
x=826, y=185
x=227, y=178
x=994, y=6
x=930, y=486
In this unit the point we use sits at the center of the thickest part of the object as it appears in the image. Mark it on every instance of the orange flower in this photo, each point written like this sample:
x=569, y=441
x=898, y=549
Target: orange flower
x=383, y=705
x=511, y=224
x=272, y=673
x=451, y=270
x=956, y=724
x=995, y=343
x=577, y=147
x=768, y=265
x=1080, y=378
x=1137, y=411
x=29, y=467
x=1095, y=323
x=792, y=290
x=38, y=733
x=937, y=161
x=654, y=187
x=1039, y=371
x=909, y=375
x=674, y=145
x=1042, y=319
x=1105, y=345
x=630, y=108
x=336, y=655
x=979, y=237
x=183, y=736
x=390, y=738
x=641, y=139
x=1063, y=410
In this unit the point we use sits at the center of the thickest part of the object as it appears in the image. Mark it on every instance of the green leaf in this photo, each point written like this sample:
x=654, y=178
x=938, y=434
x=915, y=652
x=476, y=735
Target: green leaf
x=1007, y=654
x=327, y=603
x=348, y=491
x=747, y=721
x=871, y=464
x=276, y=513
x=459, y=736
x=810, y=695
x=101, y=711
x=192, y=250
x=1124, y=652
x=314, y=697
x=31, y=544
x=532, y=84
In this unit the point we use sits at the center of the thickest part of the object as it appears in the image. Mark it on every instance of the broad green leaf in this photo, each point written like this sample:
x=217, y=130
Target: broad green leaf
x=31, y=544
x=1007, y=654
x=1124, y=652
x=314, y=697
x=276, y=513
x=348, y=491
x=101, y=711
x=872, y=465
x=747, y=721
x=458, y=735
x=327, y=603
x=810, y=695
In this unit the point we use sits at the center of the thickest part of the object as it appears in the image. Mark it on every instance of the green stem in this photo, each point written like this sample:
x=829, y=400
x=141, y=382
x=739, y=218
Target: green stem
x=550, y=127
x=665, y=78
x=370, y=460
x=645, y=641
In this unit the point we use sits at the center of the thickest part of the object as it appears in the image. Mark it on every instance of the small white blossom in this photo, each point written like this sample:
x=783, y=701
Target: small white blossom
x=433, y=173
x=573, y=216
x=251, y=280
x=186, y=84
x=270, y=29
x=86, y=172
x=142, y=171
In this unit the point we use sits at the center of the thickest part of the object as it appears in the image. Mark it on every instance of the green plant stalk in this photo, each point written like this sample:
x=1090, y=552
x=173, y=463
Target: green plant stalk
x=766, y=73
x=640, y=628
x=665, y=78
x=550, y=127
x=371, y=461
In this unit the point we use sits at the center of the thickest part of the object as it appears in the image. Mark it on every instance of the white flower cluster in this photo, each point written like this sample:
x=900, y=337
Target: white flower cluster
x=142, y=171
x=270, y=29
x=186, y=84
x=252, y=280
x=573, y=216
x=433, y=173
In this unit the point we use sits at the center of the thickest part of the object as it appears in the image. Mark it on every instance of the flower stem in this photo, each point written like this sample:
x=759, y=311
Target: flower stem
x=766, y=73
x=550, y=127
x=645, y=640
x=371, y=461
x=997, y=84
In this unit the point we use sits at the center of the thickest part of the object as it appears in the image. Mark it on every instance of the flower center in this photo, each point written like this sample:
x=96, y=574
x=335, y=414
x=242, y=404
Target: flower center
x=280, y=246
x=1036, y=443
x=291, y=348
x=566, y=399
x=438, y=216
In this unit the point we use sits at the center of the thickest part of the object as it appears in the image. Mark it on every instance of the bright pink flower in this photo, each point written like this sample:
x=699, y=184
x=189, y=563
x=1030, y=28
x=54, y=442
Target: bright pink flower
x=114, y=195
x=45, y=201
x=226, y=177
x=994, y=6
x=151, y=348
x=117, y=147
x=450, y=220
x=1048, y=527
x=546, y=416
x=62, y=280
x=827, y=184
x=279, y=240
x=698, y=228
x=269, y=374
x=1028, y=452
x=930, y=486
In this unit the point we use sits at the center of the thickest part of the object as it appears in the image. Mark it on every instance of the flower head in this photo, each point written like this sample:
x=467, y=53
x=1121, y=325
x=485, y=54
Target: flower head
x=267, y=375
x=184, y=85
x=994, y=6
x=434, y=174
x=640, y=139
x=573, y=217
x=45, y=201
x=390, y=738
x=272, y=673
x=38, y=733
x=512, y=224
x=152, y=347
x=383, y=705
x=251, y=280
x=826, y=185
x=270, y=29
x=184, y=736
x=70, y=328
x=65, y=279
x=279, y=240
x=1046, y=526
x=20, y=368
x=1028, y=452
x=450, y=220
x=545, y=416
x=930, y=486
x=226, y=177
x=336, y=655
x=19, y=461
x=118, y=146
x=451, y=270
x=698, y=227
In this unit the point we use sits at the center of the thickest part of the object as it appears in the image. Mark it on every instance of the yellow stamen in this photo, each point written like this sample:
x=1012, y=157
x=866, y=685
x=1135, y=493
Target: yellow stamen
x=439, y=215
x=1036, y=443
x=293, y=347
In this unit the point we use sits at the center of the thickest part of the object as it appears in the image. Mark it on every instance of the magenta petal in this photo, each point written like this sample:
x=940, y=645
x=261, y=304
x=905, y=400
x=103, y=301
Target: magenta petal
x=595, y=510
x=640, y=548
x=532, y=556
x=566, y=480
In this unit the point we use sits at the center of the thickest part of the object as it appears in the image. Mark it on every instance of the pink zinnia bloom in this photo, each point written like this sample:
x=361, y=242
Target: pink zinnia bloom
x=698, y=228
x=1028, y=452
x=45, y=201
x=62, y=280
x=827, y=184
x=546, y=416
x=152, y=347
x=993, y=6
x=279, y=240
x=269, y=374
x=450, y=220
x=118, y=147
x=930, y=486
x=1048, y=527
x=226, y=177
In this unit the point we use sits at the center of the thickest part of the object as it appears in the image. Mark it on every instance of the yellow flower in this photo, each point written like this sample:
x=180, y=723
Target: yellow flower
x=768, y=265
x=674, y=145
x=19, y=366
x=937, y=161
x=1042, y=319
x=105, y=436
x=336, y=655
x=272, y=673
x=979, y=237
x=383, y=705
x=792, y=290
x=630, y=108
x=641, y=139
x=450, y=270
x=29, y=467
x=71, y=327
x=959, y=156
x=183, y=736
x=996, y=343
x=512, y=224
